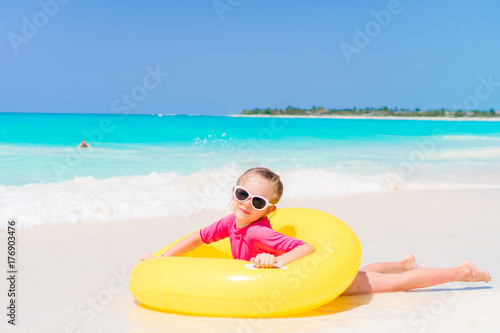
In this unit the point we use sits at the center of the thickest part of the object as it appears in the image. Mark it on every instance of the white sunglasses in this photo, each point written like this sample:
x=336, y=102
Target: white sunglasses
x=258, y=202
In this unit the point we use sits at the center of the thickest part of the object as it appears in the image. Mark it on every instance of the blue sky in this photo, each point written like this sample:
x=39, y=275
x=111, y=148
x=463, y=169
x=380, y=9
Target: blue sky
x=219, y=57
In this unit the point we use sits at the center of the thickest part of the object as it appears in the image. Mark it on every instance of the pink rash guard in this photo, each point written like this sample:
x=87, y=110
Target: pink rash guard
x=247, y=242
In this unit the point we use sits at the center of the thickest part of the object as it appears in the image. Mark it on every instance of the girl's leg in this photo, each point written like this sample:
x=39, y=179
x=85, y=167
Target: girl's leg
x=373, y=282
x=407, y=263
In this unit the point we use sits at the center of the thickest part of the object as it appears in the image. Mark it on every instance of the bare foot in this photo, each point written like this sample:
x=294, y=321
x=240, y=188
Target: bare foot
x=409, y=262
x=472, y=273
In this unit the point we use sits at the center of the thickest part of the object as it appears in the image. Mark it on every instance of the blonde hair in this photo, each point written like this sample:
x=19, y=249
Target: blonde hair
x=268, y=175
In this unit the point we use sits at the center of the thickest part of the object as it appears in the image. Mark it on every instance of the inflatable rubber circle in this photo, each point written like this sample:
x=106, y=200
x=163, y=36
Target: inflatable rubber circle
x=208, y=282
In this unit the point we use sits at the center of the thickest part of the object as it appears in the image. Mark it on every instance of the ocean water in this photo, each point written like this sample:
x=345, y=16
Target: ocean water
x=161, y=165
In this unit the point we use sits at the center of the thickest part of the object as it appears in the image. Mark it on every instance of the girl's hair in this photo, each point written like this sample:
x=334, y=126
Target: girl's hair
x=267, y=174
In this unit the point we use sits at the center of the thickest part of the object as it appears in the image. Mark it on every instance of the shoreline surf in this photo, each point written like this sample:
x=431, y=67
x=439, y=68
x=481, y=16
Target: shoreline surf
x=160, y=195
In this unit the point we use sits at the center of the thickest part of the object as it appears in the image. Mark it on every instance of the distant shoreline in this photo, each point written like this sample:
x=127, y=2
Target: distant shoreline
x=465, y=118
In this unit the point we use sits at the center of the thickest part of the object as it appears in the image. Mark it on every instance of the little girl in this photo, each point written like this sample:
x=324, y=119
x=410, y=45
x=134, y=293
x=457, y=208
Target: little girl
x=257, y=192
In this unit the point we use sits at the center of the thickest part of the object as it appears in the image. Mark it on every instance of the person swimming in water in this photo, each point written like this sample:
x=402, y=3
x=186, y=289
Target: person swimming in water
x=84, y=144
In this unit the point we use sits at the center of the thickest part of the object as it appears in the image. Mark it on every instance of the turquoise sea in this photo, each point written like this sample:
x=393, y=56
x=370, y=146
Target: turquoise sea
x=161, y=165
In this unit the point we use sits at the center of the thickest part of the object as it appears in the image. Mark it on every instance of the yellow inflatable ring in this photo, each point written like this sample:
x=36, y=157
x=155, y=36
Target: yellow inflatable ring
x=208, y=282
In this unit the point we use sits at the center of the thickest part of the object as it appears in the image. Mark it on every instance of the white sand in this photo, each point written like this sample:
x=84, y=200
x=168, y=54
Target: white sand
x=369, y=117
x=73, y=278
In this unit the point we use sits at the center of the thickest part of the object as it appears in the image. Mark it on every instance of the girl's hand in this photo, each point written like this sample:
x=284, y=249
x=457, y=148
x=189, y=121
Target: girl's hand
x=264, y=260
x=146, y=256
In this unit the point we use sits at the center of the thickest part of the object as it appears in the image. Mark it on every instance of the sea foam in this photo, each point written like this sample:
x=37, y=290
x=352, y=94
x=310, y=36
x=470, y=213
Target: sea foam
x=86, y=199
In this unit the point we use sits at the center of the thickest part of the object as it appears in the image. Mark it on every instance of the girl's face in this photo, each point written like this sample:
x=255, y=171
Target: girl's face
x=244, y=212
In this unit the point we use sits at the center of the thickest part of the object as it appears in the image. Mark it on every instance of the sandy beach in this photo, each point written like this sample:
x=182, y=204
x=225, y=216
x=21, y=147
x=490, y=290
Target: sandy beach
x=74, y=277
x=369, y=117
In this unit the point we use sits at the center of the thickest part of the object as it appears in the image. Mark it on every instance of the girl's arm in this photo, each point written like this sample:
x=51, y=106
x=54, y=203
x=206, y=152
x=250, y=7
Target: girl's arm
x=266, y=260
x=297, y=253
x=185, y=245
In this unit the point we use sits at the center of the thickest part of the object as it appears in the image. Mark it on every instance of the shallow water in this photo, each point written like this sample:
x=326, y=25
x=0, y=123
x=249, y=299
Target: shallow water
x=152, y=166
